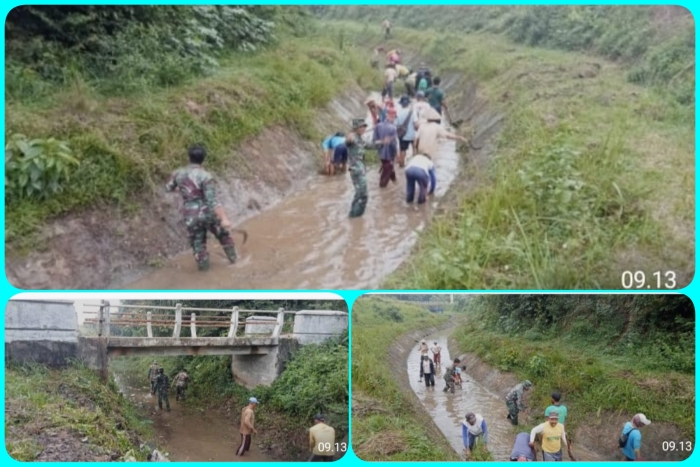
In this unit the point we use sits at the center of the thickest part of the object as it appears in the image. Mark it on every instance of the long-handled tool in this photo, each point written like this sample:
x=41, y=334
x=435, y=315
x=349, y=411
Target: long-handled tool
x=568, y=449
x=242, y=232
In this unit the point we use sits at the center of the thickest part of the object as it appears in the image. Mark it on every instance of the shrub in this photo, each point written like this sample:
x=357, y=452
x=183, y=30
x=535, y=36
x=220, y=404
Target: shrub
x=36, y=168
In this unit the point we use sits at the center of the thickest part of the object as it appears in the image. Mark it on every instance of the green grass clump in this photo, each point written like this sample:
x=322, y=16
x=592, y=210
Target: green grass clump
x=396, y=433
x=41, y=400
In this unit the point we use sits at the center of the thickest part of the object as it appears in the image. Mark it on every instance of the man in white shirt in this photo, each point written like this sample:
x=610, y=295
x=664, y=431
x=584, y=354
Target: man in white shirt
x=420, y=170
x=405, y=121
x=420, y=106
x=430, y=132
x=436, y=353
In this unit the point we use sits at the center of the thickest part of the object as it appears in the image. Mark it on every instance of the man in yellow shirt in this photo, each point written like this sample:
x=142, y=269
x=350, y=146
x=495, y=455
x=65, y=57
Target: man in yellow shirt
x=553, y=436
x=322, y=440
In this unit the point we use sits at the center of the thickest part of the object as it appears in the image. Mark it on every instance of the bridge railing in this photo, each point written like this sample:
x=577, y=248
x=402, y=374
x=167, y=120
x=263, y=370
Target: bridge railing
x=194, y=318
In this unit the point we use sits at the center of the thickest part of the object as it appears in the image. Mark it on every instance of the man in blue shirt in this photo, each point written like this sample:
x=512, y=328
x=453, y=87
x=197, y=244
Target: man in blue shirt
x=634, y=437
x=335, y=146
x=522, y=452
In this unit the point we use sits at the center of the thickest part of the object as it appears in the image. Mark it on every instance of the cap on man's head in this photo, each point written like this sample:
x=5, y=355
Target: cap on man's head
x=420, y=95
x=319, y=417
x=470, y=417
x=553, y=414
x=527, y=383
x=358, y=123
x=253, y=400
x=642, y=419
x=404, y=100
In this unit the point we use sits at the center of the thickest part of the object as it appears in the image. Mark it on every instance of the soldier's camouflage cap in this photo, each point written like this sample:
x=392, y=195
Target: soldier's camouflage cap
x=358, y=122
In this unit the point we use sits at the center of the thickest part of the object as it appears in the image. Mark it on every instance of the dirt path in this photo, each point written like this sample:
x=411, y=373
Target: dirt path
x=448, y=410
x=308, y=241
x=190, y=435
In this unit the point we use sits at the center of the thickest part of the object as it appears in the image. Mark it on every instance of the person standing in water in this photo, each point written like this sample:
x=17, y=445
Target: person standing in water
x=473, y=428
x=436, y=353
x=427, y=371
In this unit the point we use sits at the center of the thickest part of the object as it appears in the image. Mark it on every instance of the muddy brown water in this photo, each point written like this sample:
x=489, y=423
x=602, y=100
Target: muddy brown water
x=448, y=410
x=186, y=434
x=308, y=241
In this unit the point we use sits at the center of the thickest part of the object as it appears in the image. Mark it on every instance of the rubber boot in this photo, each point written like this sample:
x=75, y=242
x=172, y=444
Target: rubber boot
x=203, y=265
x=231, y=253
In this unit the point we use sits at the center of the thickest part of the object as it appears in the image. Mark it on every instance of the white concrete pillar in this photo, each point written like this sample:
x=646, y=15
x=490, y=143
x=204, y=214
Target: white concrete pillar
x=149, y=329
x=280, y=322
x=193, y=326
x=178, y=321
x=234, y=323
x=107, y=320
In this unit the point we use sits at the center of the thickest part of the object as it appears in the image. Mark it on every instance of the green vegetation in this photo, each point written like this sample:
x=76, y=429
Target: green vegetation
x=583, y=180
x=71, y=409
x=656, y=42
x=640, y=358
x=129, y=117
x=386, y=425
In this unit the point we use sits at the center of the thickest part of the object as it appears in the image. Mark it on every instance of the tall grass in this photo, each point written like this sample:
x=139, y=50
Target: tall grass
x=40, y=400
x=388, y=428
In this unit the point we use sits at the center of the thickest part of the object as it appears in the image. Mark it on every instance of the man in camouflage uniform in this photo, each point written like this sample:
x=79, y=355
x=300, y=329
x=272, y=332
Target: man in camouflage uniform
x=201, y=209
x=153, y=375
x=181, y=384
x=514, y=400
x=449, y=376
x=163, y=386
x=356, y=163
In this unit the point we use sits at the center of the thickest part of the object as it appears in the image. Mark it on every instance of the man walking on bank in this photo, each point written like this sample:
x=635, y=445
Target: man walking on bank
x=247, y=426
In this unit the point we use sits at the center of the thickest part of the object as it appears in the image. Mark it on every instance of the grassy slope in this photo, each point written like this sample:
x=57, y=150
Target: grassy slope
x=387, y=429
x=591, y=377
x=591, y=176
x=69, y=404
x=127, y=146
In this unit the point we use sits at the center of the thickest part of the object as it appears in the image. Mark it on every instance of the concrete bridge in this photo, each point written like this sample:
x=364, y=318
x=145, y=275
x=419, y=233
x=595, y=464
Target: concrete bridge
x=48, y=332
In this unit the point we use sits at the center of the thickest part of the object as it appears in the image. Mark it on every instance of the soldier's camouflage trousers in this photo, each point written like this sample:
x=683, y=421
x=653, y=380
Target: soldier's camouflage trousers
x=180, y=393
x=359, y=201
x=153, y=387
x=512, y=412
x=197, y=230
x=163, y=396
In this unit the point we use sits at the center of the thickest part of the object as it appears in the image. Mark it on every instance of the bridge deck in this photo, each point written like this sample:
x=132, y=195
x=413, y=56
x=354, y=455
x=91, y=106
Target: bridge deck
x=170, y=346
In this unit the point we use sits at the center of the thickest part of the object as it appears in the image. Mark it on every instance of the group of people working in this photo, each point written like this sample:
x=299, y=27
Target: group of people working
x=416, y=125
x=552, y=432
